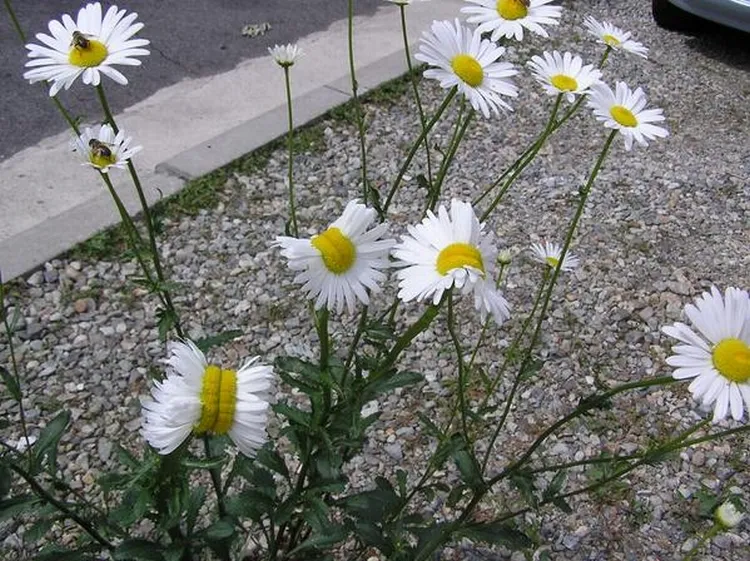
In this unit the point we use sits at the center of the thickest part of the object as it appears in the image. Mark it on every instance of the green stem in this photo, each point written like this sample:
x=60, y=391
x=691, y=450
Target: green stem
x=357, y=104
x=458, y=136
x=215, y=478
x=407, y=337
x=46, y=496
x=355, y=341
x=413, y=79
x=290, y=145
x=536, y=147
x=415, y=147
x=461, y=369
x=147, y=218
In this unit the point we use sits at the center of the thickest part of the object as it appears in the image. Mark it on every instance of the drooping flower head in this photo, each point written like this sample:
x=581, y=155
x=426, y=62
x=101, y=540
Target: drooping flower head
x=508, y=18
x=103, y=149
x=624, y=110
x=549, y=254
x=563, y=74
x=718, y=355
x=339, y=265
x=614, y=37
x=88, y=46
x=285, y=55
x=461, y=58
x=450, y=250
x=198, y=398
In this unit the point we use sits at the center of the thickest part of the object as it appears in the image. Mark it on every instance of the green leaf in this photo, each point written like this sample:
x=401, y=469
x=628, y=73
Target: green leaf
x=12, y=507
x=387, y=383
x=524, y=482
x=562, y=504
x=126, y=458
x=496, y=533
x=250, y=504
x=207, y=343
x=471, y=472
x=46, y=447
x=431, y=427
x=296, y=416
x=556, y=485
x=371, y=535
x=203, y=463
x=10, y=382
x=195, y=501
x=332, y=536
x=138, y=550
x=5, y=481
x=273, y=461
x=38, y=530
x=401, y=480
x=316, y=513
x=56, y=553
x=219, y=530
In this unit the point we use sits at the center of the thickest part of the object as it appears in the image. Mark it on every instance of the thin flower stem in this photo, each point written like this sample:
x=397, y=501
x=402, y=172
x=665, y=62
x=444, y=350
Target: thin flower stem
x=415, y=147
x=16, y=375
x=46, y=496
x=415, y=87
x=357, y=104
x=290, y=146
x=323, y=337
x=407, y=337
x=215, y=478
x=148, y=219
x=449, y=157
x=537, y=146
x=461, y=369
x=355, y=341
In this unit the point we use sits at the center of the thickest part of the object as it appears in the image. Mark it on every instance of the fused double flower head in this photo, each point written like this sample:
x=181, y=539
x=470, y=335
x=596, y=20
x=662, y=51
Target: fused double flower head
x=201, y=398
x=91, y=45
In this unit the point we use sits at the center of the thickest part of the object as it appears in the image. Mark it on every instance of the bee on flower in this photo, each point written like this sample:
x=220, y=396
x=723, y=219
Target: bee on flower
x=103, y=149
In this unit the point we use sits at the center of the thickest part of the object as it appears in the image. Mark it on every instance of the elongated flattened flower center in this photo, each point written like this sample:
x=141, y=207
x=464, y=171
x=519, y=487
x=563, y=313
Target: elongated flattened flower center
x=93, y=54
x=610, y=40
x=731, y=357
x=564, y=83
x=512, y=9
x=623, y=115
x=468, y=69
x=338, y=251
x=219, y=399
x=458, y=255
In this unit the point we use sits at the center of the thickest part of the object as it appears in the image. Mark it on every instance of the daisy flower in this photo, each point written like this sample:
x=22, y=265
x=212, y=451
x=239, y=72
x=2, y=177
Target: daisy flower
x=103, y=149
x=285, y=55
x=198, y=398
x=625, y=111
x=508, y=18
x=462, y=58
x=339, y=265
x=614, y=37
x=718, y=355
x=563, y=74
x=728, y=515
x=549, y=254
x=89, y=46
x=450, y=250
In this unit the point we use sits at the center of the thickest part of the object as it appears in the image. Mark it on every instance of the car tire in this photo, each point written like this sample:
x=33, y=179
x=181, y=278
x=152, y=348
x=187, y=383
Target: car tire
x=669, y=16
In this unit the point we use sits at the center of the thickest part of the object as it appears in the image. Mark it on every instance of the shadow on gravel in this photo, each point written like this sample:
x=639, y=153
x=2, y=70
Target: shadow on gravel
x=724, y=44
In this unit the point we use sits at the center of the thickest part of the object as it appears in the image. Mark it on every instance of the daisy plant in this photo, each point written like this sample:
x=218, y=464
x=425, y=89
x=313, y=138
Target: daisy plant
x=238, y=457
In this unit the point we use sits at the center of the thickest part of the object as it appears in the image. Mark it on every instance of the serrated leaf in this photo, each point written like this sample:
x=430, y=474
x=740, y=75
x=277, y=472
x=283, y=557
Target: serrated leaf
x=293, y=414
x=333, y=535
x=250, y=504
x=390, y=382
x=471, y=472
x=45, y=447
x=10, y=382
x=138, y=550
x=555, y=486
x=194, y=503
x=497, y=533
x=273, y=461
x=207, y=343
x=126, y=458
x=524, y=482
x=219, y=530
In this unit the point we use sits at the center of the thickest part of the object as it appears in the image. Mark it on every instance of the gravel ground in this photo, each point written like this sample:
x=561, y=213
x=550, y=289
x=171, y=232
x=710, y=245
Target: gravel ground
x=663, y=224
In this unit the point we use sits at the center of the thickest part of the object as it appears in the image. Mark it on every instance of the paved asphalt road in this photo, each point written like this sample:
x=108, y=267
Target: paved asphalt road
x=189, y=38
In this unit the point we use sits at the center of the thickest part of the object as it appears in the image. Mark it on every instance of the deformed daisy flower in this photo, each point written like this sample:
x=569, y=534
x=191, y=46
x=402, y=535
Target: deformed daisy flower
x=103, y=149
x=614, y=37
x=446, y=251
x=563, y=74
x=625, y=111
x=339, y=265
x=198, y=398
x=508, y=18
x=285, y=55
x=466, y=60
x=88, y=46
x=549, y=254
x=718, y=356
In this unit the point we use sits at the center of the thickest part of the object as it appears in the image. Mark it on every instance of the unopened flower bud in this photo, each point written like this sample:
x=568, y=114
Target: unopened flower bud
x=504, y=257
x=728, y=515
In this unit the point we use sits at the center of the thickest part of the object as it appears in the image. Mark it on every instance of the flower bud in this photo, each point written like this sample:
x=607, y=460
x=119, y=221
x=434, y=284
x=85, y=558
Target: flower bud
x=728, y=515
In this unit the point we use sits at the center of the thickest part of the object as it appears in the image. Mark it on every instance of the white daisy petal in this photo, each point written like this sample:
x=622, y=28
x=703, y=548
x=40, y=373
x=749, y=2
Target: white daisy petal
x=563, y=74
x=509, y=18
x=446, y=251
x=285, y=55
x=199, y=398
x=549, y=254
x=717, y=356
x=86, y=47
x=614, y=37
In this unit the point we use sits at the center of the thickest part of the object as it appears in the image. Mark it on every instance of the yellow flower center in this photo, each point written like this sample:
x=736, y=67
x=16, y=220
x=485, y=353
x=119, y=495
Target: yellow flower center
x=610, y=40
x=458, y=255
x=564, y=83
x=731, y=357
x=102, y=161
x=552, y=261
x=623, y=115
x=468, y=69
x=219, y=399
x=513, y=9
x=338, y=251
x=93, y=54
